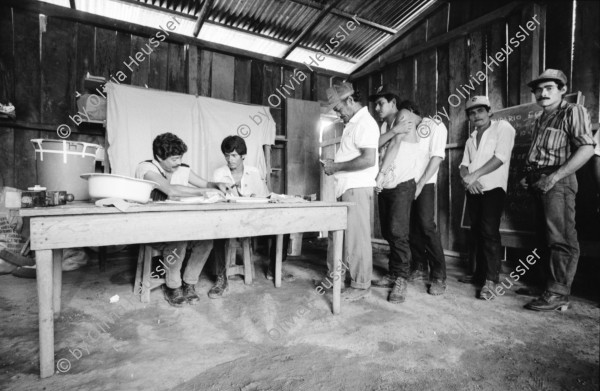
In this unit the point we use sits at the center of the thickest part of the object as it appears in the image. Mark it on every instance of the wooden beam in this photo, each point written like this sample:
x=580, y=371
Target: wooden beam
x=439, y=40
x=48, y=9
x=204, y=11
x=310, y=27
x=72, y=3
x=336, y=12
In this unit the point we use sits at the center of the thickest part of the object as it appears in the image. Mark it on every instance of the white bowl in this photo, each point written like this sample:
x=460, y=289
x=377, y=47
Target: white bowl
x=118, y=186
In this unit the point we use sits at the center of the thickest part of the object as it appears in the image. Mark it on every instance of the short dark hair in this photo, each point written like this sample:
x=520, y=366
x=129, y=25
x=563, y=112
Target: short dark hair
x=389, y=98
x=166, y=145
x=234, y=143
x=410, y=106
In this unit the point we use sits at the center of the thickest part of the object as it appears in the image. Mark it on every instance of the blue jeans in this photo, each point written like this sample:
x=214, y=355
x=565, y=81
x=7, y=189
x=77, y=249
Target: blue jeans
x=557, y=209
x=394, y=217
x=425, y=241
x=485, y=211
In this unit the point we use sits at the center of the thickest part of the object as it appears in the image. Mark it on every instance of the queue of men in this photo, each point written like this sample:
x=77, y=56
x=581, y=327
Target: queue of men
x=399, y=162
x=403, y=168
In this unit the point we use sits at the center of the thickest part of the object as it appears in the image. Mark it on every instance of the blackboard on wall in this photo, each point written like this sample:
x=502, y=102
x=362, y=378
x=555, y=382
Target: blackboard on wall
x=518, y=216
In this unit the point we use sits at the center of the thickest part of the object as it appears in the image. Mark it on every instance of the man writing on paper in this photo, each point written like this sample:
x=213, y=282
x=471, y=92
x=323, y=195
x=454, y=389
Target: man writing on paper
x=174, y=179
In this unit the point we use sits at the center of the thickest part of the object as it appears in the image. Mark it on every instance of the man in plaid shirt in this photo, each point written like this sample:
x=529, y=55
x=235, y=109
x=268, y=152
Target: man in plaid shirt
x=562, y=143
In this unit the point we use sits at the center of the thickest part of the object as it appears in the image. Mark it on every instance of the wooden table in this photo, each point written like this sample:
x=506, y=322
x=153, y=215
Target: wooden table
x=83, y=224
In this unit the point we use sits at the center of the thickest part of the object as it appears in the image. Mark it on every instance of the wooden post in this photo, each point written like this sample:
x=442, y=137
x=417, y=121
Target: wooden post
x=46, y=318
x=338, y=240
x=57, y=256
x=278, y=260
x=247, y=261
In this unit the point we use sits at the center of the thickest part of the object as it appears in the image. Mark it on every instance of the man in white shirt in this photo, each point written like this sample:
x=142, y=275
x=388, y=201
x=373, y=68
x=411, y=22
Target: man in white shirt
x=396, y=187
x=244, y=181
x=484, y=173
x=425, y=242
x=354, y=169
x=174, y=179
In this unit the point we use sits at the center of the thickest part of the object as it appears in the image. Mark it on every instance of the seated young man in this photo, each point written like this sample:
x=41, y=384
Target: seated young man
x=177, y=179
x=243, y=181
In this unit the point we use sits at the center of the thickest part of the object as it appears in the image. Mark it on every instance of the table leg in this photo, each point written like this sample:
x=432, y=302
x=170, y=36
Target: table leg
x=278, y=260
x=57, y=280
x=338, y=240
x=46, y=317
x=247, y=261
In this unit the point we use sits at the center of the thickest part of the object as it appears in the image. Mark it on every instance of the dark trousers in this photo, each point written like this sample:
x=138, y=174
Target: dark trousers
x=485, y=211
x=219, y=253
x=394, y=217
x=425, y=242
x=556, y=210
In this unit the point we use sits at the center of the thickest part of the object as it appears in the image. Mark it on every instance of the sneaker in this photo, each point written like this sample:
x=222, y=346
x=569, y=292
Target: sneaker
x=353, y=294
x=174, y=296
x=549, y=302
x=189, y=292
x=487, y=292
x=386, y=281
x=417, y=275
x=398, y=293
x=219, y=288
x=437, y=287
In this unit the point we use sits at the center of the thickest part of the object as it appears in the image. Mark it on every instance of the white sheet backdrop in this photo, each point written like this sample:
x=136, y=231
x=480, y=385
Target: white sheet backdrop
x=135, y=116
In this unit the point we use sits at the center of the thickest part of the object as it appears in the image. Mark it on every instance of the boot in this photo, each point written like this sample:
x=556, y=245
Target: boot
x=189, y=293
x=174, y=296
x=398, y=293
x=219, y=288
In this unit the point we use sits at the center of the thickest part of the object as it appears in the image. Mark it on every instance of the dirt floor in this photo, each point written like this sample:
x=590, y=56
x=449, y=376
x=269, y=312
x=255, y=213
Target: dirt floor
x=261, y=338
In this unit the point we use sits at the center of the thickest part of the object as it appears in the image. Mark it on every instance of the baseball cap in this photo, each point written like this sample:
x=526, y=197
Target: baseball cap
x=383, y=91
x=549, y=74
x=338, y=92
x=478, y=100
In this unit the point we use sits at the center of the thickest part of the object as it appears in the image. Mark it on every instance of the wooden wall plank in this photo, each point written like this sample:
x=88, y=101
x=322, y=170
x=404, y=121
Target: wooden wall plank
x=27, y=66
x=141, y=71
x=122, y=53
x=7, y=157
x=85, y=54
x=406, y=78
x=58, y=71
x=496, y=80
x=292, y=83
x=443, y=183
x=223, y=71
x=159, y=67
x=530, y=56
x=242, y=80
x=7, y=64
x=205, y=72
x=425, y=94
x=257, y=82
x=586, y=62
x=437, y=23
x=192, y=61
x=558, y=37
x=25, y=170
x=322, y=84
x=308, y=86
x=272, y=81
x=476, y=54
x=514, y=65
x=176, y=79
x=106, y=47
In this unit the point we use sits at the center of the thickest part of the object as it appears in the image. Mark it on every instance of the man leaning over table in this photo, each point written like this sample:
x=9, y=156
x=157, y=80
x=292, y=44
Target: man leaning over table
x=176, y=179
x=354, y=169
x=243, y=181
x=562, y=143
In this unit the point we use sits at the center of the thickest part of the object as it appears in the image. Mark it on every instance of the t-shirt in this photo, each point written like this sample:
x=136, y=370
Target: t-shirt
x=404, y=166
x=252, y=183
x=360, y=132
x=498, y=140
x=432, y=142
x=180, y=176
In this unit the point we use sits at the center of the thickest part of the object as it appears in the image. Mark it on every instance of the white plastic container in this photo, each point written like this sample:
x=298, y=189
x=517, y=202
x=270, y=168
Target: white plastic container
x=118, y=186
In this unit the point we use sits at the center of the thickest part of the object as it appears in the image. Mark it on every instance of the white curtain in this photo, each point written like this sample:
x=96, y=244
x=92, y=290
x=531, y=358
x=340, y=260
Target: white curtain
x=135, y=116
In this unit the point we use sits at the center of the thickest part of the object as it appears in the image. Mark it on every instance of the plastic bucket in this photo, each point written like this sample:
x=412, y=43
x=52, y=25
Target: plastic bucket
x=60, y=163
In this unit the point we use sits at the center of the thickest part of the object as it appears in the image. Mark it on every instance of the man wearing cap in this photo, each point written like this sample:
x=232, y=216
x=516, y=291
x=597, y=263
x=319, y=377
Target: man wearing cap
x=562, y=142
x=354, y=169
x=484, y=173
x=396, y=187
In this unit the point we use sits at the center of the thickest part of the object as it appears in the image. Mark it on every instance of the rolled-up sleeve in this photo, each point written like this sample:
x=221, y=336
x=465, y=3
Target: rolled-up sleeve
x=438, y=140
x=505, y=142
x=580, y=127
x=466, y=160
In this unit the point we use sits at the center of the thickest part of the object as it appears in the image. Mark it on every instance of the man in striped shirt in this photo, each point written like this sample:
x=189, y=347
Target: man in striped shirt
x=562, y=142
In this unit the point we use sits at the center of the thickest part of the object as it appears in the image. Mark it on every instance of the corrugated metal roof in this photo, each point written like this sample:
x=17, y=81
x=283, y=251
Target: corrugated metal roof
x=279, y=28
